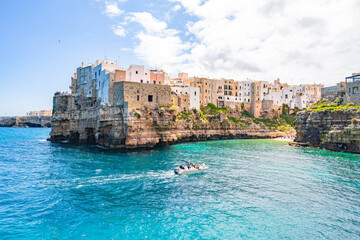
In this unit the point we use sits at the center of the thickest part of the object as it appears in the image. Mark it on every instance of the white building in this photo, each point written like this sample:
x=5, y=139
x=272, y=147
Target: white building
x=137, y=73
x=193, y=92
x=101, y=76
x=300, y=96
x=244, y=89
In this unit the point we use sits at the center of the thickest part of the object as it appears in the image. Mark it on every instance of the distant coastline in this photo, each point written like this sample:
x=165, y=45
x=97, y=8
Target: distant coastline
x=25, y=121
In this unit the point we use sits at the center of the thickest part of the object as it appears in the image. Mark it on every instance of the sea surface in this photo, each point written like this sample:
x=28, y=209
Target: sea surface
x=254, y=189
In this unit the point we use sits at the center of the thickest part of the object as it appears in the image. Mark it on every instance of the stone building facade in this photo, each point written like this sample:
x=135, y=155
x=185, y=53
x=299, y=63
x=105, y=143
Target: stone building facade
x=133, y=95
x=353, y=88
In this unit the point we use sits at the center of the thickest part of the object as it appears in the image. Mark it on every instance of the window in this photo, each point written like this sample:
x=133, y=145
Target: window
x=150, y=98
x=138, y=91
x=236, y=94
x=99, y=72
x=138, y=98
x=225, y=93
x=355, y=90
x=286, y=96
x=154, y=82
x=258, y=99
x=147, y=81
x=248, y=100
x=225, y=87
x=145, y=73
x=230, y=93
x=141, y=81
x=136, y=72
x=195, y=93
x=95, y=74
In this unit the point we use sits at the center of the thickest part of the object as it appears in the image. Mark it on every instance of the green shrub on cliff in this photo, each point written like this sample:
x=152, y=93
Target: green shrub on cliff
x=184, y=115
x=322, y=106
x=136, y=114
x=212, y=109
x=246, y=114
x=289, y=119
x=234, y=120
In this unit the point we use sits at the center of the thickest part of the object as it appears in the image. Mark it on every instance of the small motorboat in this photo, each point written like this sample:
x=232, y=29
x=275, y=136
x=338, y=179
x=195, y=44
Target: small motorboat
x=190, y=168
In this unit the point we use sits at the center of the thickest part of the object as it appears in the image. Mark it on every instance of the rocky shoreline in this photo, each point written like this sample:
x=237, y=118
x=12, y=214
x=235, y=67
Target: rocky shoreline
x=336, y=130
x=25, y=121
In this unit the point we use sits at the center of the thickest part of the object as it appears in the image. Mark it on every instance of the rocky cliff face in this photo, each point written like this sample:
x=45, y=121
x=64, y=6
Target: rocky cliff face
x=25, y=121
x=337, y=130
x=113, y=127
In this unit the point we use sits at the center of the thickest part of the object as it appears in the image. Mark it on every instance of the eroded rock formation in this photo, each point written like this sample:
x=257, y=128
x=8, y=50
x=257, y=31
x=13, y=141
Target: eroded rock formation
x=333, y=130
x=86, y=122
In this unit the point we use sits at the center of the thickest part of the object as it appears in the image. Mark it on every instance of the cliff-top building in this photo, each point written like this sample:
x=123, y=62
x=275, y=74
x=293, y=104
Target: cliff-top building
x=353, y=87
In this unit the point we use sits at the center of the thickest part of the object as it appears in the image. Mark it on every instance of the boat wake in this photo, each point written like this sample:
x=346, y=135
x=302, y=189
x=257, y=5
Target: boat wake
x=111, y=179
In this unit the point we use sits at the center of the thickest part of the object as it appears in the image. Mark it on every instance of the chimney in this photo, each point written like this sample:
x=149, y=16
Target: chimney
x=74, y=75
x=83, y=64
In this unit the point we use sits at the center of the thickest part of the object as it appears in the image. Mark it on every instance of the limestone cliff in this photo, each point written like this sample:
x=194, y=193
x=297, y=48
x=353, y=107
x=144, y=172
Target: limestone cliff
x=86, y=122
x=25, y=121
x=331, y=127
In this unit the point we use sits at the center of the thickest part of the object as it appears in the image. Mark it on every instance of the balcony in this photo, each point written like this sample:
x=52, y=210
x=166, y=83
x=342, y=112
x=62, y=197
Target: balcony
x=354, y=78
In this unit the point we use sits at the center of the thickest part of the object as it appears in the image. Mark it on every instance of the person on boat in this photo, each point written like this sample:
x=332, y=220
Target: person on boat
x=203, y=165
x=192, y=165
x=181, y=166
x=197, y=166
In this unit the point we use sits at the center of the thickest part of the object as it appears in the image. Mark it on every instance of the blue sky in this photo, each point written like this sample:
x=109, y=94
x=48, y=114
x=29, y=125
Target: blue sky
x=301, y=41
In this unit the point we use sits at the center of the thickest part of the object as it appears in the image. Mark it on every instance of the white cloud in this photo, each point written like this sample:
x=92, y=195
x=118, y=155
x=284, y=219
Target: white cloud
x=150, y=24
x=112, y=9
x=119, y=30
x=299, y=40
x=177, y=7
x=158, y=45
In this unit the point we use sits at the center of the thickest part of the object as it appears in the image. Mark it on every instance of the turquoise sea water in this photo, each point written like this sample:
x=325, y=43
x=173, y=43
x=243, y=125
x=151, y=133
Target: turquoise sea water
x=259, y=189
